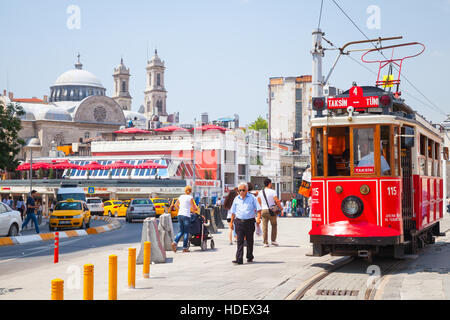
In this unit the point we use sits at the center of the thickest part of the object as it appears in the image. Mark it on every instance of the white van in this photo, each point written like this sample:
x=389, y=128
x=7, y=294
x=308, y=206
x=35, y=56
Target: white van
x=70, y=192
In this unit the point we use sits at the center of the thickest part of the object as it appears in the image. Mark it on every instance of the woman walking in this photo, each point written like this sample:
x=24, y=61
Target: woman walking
x=227, y=205
x=184, y=205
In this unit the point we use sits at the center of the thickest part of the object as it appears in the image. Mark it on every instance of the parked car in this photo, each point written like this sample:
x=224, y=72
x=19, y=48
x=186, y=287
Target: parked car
x=110, y=207
x=172, y=209
x=120, y=210
x=10, y=221
x=95, y=205
x=140, y=208
x=160, y=205
x=70, y=214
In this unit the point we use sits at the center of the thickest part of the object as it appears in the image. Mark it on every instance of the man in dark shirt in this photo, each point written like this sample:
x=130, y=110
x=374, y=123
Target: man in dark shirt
x=31, y=207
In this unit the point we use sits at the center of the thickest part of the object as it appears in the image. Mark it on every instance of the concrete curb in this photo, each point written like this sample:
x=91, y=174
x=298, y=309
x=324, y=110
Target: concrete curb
x=113, y=224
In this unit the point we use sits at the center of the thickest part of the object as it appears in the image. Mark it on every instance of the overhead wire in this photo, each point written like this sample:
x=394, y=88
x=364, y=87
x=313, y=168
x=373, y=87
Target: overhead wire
x=435, y=107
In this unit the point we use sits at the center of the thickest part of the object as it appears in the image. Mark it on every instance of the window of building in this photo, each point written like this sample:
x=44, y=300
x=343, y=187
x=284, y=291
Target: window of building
x=124, y=86
x=158, y=79
x=86, y=135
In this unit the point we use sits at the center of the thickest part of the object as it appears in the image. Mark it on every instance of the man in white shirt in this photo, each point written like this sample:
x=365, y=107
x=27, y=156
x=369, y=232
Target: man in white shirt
x=268, y=198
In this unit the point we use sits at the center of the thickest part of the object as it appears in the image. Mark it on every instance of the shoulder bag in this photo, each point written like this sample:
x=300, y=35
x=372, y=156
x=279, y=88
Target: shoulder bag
x=273, y=210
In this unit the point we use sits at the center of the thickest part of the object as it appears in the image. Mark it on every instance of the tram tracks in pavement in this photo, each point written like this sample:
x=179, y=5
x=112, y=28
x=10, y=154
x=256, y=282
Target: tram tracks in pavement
x=348, y=279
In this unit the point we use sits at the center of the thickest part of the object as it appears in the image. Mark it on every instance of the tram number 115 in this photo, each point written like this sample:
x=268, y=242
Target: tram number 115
x=392, y=191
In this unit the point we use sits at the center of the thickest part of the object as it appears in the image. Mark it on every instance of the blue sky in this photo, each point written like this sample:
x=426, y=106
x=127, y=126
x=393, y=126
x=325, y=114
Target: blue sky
x=219, y=54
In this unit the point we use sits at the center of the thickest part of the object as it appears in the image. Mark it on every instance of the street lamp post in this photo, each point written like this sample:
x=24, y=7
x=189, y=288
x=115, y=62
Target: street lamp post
x=32, y=143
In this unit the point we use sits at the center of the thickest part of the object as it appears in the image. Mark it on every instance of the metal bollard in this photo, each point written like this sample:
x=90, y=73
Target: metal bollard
x=57, y=289
x=147, y=258
x=56, y=250
x=112, y=292
x=131, y=268
x=88, y=285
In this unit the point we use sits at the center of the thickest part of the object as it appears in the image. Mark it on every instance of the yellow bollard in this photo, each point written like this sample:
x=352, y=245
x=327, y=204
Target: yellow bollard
x=57, y=289
x=147, y=258
x=131, y=268
x=88, y=285
x=112, y=277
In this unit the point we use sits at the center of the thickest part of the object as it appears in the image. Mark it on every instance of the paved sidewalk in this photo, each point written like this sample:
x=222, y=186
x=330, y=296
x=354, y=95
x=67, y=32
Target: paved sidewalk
x=424, y=278
x=197, y=275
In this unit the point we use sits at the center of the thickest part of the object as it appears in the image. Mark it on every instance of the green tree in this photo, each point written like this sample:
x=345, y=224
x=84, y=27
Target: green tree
x=259, y=124
x=40, y=173
x=10, y=142
x=51, y=174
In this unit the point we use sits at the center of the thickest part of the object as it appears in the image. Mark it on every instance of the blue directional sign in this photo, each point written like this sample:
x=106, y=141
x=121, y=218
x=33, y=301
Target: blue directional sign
x=91, y=190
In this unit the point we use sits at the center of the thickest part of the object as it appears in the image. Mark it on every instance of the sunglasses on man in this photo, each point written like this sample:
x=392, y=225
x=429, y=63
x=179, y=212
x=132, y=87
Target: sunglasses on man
x=241, y=190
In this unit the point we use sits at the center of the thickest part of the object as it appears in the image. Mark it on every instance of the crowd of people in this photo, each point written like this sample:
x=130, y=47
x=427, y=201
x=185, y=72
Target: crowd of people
x=249, y=211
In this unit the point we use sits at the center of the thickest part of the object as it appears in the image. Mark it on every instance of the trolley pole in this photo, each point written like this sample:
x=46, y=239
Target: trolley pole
x=317, y=53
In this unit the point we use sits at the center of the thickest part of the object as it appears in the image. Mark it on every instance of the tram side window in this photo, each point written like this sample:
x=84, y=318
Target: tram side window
x=396, y=152
x=422, y=157
x=430, y=161
x=339, y=151
x=437, y=154
x=318, y=152
x=385, y=150
x=363, y=150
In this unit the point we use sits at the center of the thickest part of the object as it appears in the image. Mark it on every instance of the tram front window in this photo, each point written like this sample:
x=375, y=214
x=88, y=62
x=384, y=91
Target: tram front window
x=363, y=150
x=338, y=151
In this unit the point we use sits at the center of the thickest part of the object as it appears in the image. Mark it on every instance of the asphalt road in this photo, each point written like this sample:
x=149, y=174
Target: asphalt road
x=35, y=254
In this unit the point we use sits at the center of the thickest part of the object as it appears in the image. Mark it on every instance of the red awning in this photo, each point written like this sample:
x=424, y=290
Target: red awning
x=119, y=165
x=94, y=165
x=64, y=165
x=171, y=129
x=211, y=127
x=149, y=164
x=132, y=131
x=36, y=166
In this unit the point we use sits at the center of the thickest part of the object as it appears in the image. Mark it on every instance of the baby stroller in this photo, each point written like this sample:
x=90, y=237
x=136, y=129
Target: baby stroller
x=199, y=234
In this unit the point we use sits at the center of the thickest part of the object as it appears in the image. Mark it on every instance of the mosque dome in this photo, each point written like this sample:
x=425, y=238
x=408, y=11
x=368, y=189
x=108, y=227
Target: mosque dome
x=77, y=77
x=75, y=85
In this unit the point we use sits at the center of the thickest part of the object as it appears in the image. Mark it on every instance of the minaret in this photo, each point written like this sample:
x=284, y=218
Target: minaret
x=121, y=86
x=155, y=92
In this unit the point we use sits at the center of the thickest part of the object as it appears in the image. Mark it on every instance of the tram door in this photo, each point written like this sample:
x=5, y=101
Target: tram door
x=407, y=144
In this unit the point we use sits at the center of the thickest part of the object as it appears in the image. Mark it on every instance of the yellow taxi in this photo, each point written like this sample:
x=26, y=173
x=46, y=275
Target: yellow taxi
x=110, y=207
x=160, y=205
x=172, y=209
x=121, y=210
x=70, y=214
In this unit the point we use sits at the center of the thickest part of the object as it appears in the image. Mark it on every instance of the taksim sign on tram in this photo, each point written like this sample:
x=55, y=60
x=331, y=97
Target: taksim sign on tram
x=356, y=100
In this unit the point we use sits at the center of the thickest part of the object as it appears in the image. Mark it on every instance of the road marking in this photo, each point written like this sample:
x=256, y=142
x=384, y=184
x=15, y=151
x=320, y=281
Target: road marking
x=49, y=247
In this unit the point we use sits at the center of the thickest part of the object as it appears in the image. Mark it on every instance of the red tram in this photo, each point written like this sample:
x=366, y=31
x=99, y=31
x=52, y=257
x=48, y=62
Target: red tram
x=376, y=184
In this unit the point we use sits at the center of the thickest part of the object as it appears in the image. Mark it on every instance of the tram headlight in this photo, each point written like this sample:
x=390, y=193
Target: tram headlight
x=352, y=207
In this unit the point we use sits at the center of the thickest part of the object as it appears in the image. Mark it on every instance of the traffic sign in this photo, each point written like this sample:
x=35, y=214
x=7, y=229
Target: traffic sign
x=91, y=190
